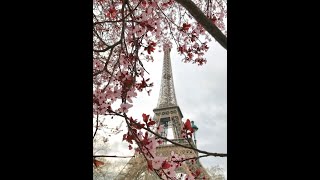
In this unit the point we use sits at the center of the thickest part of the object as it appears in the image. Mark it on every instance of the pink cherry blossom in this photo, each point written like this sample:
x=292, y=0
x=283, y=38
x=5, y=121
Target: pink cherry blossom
x=124, y=107
x=157, y=162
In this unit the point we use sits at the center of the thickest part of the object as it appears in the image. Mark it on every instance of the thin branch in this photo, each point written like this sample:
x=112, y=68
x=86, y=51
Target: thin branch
x=105, y=64
x=99, y=37
x=95, y=132
x=108, y=47
x=200, y=151
x=195, y=158
x=111, y=76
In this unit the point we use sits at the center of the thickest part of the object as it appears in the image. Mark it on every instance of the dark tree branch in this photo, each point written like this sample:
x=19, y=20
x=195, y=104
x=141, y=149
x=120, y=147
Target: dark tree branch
x=114, y=67
x=95, y=132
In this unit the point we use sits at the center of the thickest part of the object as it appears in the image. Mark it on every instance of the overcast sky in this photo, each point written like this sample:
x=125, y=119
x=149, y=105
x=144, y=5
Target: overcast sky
x=201, y=93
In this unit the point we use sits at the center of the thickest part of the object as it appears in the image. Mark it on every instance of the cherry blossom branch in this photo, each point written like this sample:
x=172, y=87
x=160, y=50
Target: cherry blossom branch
x=105, y=64
x=206, y=23
x=137, y=139
x=139, y=143
x=166, y=18
x=177, y=42
x=108, y=47
x=137, y=51
x=170, y=28
x=108, y=21
x=166, y=139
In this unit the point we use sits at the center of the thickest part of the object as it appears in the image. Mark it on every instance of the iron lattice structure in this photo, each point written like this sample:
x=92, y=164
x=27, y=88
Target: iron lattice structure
x=167, y=97
x=169, y=114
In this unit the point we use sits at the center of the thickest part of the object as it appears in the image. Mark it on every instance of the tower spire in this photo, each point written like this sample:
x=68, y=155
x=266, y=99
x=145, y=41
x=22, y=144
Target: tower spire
x=167, y=96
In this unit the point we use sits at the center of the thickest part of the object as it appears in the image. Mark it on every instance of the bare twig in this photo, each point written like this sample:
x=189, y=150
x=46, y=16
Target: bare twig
x=95, y=132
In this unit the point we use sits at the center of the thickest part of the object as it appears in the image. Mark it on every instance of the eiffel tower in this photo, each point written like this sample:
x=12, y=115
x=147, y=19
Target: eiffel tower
x=166, y=113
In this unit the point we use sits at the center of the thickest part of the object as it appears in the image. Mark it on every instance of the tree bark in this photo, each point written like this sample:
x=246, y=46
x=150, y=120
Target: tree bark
x=206, y=23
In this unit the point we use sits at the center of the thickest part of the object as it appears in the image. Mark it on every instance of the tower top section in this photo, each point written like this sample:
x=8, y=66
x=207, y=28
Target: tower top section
x=167, y=96
x=166, y=47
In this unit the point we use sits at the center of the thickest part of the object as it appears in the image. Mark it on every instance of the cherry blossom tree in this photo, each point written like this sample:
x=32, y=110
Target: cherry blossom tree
x=125, y=35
